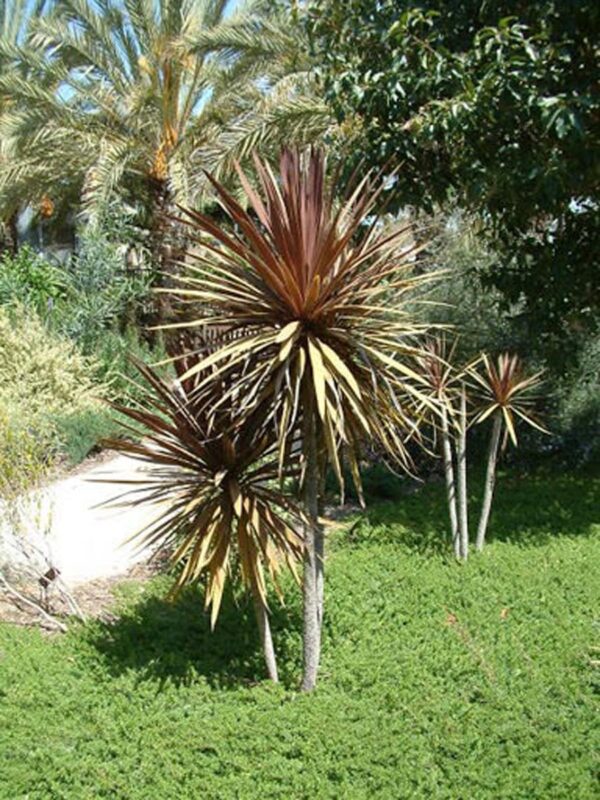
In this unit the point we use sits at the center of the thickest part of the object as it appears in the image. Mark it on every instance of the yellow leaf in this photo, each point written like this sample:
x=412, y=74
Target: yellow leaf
x=236, y=496
x=319, y=376
x=337, y=363
x=287, y=332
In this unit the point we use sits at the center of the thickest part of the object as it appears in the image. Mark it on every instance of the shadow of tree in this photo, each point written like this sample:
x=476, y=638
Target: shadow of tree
x=165, y=641
x=170, y=642
x=528, y=510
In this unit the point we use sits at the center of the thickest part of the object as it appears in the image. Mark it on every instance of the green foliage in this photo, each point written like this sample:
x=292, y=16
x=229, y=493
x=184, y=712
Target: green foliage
x=103, y=293
x=27, y=278
x=478, y=313
x=79, y=435
x=45, y=385
x=578, y=417
x=491, y=106
x=45, y=373
x=113, y=353
x=440, y=681
x=23, y=452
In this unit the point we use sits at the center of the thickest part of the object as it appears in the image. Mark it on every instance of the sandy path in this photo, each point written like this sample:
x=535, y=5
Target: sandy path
x=83, y=540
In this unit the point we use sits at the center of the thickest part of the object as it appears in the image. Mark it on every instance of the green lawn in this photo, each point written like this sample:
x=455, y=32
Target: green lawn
x=438, y=681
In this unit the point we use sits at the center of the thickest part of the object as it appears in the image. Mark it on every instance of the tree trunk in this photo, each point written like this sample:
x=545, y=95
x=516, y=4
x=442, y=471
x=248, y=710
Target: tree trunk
x=13, y=232
x=313, y=547
x=9, y=240
x=450, y=484
x=490, y=481
x=165, y=251
x=463, y=517
x=266, y=639
x=320, y=573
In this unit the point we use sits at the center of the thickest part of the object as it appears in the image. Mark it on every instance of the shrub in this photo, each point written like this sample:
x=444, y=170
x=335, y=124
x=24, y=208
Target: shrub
x=44, y=381
x=42, y=371
x=23, y=453
x=27, y=278
x=579, y=404
x=103, y=293
x=114, y=366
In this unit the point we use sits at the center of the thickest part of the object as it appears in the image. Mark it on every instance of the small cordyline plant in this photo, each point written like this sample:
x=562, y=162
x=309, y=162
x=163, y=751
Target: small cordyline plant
x=436, y=365
x=213, y=477
x=504, y=393
x=325, y=339
x=448, y=385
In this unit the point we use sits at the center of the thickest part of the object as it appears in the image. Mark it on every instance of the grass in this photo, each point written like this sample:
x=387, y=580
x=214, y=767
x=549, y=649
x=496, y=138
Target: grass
x=438, y=681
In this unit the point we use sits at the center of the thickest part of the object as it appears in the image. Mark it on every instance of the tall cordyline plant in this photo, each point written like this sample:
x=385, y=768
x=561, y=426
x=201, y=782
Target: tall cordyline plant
x=212, y=477
x=438, y=370
x=325, y=341
x=507, y=395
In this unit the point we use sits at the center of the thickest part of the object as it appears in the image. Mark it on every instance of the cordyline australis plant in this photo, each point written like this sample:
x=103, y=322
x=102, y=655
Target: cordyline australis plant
x=211, y=475
x=324, y=340
x=504, y=393
x=436, y=365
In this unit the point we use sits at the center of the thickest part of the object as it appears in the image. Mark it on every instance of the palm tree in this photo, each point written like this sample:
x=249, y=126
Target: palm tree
x=210, y=476
x=131, y=97
x=325, y=338
x=507, y=395
x=439, y=372
x=280, y=103
x=15, y=21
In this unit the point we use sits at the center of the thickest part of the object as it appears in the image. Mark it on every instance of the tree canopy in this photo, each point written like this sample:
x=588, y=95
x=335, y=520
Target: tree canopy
x=491, y=106
x=141, y=97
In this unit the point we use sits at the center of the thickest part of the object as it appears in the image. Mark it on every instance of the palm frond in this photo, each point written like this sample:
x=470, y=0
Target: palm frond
x=505, y=389
x=212, y=479
x=319, y=303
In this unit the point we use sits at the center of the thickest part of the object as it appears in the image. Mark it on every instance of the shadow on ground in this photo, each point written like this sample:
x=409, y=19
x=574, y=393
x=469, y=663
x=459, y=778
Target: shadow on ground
x=528, y=510
x=172, y=642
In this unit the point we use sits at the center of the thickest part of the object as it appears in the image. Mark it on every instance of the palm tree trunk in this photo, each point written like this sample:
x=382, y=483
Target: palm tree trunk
x=266, y=639
x=450, y=484
x=463, y=517
x=13, y=230
x=312, y=548
x=10, y=241
x=163, y=250
x=490, y=481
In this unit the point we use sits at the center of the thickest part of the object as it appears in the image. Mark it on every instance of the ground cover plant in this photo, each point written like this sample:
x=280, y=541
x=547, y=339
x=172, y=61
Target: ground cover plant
x=438, y=680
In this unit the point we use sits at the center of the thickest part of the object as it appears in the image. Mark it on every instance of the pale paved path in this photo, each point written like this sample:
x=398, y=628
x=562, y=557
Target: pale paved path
x=86, y=541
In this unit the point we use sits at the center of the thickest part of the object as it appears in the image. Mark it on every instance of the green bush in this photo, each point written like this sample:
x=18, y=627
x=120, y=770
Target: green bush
x=27, y=278
x=44, y=382
x=43, y=372
x=103, y=293
x=578, y=416
x=112, y=355
x=24, y=451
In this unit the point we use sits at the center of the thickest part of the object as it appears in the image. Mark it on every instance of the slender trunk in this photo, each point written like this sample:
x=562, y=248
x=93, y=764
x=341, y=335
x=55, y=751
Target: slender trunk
x=490, y=481
x=161, y=253
x=320, y=572
x=463, y=518
x=450, y=484
x=13, y=232
x=320, y=549
x=312, y=547
x=266, y=639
